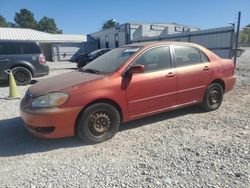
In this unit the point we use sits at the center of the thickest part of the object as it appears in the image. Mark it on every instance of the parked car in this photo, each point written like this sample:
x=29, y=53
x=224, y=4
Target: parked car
x=84, y=59
x=124, y=84
x=239, y=52
x=25, y=59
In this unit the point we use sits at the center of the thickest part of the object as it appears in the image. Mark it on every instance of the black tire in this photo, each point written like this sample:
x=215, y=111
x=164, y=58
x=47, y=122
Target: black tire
x=99, y=122
x=22, y=75
x=213, y=97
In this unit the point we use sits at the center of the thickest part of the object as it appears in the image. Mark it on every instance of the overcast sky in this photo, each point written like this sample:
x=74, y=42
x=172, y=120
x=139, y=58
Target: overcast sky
x=86, y=16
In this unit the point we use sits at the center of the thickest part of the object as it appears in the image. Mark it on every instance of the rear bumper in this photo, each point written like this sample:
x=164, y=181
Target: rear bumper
x=51, y=123
x=229, y=83
x=41, y=71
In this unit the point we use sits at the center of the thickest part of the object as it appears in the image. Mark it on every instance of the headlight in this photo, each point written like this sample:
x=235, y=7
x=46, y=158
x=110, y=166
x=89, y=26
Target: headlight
x=50, y=100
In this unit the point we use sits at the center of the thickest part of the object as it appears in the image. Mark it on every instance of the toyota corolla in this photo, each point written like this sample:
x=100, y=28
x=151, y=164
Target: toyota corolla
x=124, y=84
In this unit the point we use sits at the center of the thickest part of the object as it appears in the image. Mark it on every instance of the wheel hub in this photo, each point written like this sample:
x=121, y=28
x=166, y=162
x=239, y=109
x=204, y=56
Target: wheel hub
x=100, y=122
x=20, y=76
x=214, y=96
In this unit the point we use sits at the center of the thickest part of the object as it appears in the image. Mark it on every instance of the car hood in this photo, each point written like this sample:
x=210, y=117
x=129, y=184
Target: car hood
x=61, y=82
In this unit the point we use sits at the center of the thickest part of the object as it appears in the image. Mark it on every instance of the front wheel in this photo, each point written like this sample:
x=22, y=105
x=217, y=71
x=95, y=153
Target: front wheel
x=98, y=123
x=213, y=97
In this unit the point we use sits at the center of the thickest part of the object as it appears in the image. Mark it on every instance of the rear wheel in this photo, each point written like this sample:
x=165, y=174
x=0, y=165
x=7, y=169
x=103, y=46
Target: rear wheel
x=22, y=75
x=213, y=97
x=98, y=123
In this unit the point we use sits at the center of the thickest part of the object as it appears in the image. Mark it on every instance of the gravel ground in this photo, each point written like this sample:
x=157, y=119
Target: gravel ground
x=181, y=148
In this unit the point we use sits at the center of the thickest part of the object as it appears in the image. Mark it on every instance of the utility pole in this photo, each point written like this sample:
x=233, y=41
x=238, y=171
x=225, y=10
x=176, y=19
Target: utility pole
x=237, y=38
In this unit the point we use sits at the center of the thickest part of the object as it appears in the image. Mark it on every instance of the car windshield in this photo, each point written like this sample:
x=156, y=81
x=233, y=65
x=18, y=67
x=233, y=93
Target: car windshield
x=110, y=61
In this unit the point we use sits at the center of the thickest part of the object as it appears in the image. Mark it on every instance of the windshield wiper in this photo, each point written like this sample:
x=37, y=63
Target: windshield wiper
x=93, y=71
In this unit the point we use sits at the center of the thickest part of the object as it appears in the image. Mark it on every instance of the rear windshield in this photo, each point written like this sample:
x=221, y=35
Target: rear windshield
x=112, y=60
x=10, y=48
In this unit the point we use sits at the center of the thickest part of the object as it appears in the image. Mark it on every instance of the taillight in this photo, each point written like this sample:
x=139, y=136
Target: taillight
x=42, y=59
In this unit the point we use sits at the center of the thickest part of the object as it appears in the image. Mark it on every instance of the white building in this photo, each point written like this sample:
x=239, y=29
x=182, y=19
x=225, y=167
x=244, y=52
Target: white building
x=129, y=32
x=59, y=47
x=56, y=47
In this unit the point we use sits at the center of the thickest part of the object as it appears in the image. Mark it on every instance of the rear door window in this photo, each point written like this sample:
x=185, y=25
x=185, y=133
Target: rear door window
x=2, y=49
x=31, y=48
x=13, y=48
x=22, y=48
x=186, y=55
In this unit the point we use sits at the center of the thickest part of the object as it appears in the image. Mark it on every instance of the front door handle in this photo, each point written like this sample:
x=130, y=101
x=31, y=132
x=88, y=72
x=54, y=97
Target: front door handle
x=4, y=59
x=205, y=68
x=170, y=74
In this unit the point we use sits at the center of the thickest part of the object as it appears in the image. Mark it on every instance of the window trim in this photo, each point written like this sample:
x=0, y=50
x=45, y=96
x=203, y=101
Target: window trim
x=199, y=50
x=106, y=41
x=116, y=40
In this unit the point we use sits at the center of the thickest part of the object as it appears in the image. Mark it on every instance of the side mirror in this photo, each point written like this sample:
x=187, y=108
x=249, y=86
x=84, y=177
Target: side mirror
x=136, y=69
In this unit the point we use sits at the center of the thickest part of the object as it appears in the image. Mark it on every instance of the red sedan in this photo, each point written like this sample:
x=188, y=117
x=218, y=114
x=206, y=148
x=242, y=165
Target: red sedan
x=126, y=83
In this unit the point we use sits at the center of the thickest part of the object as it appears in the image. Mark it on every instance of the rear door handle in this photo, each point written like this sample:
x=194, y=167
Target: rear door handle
x=4, y=59
x=170, y=74
x=205, y=68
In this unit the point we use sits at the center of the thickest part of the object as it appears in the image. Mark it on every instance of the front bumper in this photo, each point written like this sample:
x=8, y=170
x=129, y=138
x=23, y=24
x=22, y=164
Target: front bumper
x=50, y=123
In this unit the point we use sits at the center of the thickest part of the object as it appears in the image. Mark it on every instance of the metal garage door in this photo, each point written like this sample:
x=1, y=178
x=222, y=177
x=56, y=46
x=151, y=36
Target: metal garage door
x=68, y=50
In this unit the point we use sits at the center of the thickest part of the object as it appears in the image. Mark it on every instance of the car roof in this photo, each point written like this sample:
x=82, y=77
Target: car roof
x=102, y=49
x=158, y=43
x=154, y=43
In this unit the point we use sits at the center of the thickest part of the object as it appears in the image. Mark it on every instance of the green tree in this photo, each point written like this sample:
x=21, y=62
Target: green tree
x=11, y=24
x=48, y=25
x=3, y=22
x=25, y=19
x=245, y=34
x=109, y=23
x=243, y=37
